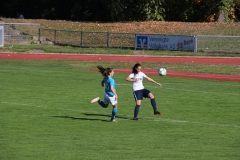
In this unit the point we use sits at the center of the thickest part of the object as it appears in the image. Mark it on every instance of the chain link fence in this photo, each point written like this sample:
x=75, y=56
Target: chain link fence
x=87, y=38
x=218, y=44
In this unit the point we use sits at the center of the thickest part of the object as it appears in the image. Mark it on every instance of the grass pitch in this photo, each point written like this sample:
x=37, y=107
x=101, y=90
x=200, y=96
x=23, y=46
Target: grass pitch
x=46, y=114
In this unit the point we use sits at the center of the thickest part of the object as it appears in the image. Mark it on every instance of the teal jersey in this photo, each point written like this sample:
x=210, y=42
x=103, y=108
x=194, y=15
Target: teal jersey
x=108, y=83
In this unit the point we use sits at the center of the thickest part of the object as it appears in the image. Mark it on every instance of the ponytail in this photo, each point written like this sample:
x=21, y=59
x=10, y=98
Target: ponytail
x=104, y=71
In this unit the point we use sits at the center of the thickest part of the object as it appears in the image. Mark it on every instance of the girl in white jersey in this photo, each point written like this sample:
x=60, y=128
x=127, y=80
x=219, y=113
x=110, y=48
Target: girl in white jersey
x=110, y=95
x=139, y=91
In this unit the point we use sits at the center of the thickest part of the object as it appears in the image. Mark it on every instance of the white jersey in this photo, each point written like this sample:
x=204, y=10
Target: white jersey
x=139, y=84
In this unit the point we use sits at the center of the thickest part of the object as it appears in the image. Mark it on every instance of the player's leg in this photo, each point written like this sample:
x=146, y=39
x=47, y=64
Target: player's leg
x=114, y=113
x=104, y=104
x=136, y=110
x=95, y=100
x=138, y=99
x=114, y=103
x=153, y=102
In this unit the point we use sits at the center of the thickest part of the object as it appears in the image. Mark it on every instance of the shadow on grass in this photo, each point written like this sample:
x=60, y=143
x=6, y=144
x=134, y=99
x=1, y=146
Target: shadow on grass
x=90, y=119
x=104, y=115
x=79, y=118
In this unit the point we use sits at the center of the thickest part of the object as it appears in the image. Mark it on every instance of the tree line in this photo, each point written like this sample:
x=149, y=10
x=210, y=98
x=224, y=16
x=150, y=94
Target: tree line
x=124, y=10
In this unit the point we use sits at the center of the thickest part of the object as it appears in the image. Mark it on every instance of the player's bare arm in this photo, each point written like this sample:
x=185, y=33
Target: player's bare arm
x=151, y=80
x=131, y=80
x=102, y=83
x=113, y=91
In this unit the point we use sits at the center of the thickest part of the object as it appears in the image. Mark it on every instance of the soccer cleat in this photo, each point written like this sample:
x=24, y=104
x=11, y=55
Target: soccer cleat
x=134, y=118
x=114, y=120
x=95, y=100
x=157, y=112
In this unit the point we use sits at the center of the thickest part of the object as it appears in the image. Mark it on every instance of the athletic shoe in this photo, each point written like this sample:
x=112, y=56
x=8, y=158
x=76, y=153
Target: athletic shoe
x=95, y=100
x=134, y=118
x=114, y=120
x=157, y=112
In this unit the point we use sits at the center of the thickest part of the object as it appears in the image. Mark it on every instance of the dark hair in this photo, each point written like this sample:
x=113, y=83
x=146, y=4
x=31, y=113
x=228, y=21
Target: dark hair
x=134, y=69
x=104, y=71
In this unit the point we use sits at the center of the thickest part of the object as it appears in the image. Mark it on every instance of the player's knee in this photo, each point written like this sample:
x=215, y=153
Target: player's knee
x=138, y=102
x=151, y=95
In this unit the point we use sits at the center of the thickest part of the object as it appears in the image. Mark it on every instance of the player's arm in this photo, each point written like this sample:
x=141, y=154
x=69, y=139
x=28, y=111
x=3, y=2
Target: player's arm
x=151, y=80
x=102, y=83
x=113, y=91
x=129, y=79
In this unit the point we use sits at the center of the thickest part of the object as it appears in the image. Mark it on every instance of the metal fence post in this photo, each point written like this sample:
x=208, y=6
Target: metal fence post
x=39, y=34
x=107, y=39
x=81, y=38
x=9, y=28
x=55, y=34
x=195, y=46
x=135, y=44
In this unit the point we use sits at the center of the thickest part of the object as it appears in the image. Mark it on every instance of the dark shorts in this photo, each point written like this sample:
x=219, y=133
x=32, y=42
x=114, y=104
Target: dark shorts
x=138, y=95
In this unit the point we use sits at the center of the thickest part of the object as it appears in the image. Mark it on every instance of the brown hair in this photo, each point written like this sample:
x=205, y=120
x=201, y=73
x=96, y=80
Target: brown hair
x=104, y=71
x=134, y=69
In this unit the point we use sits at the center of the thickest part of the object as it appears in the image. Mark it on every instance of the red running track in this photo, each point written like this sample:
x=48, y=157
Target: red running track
x=134, y=59
x=124, y=58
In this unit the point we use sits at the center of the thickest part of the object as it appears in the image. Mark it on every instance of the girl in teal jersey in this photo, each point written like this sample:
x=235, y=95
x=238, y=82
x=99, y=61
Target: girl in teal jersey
x=110, y=95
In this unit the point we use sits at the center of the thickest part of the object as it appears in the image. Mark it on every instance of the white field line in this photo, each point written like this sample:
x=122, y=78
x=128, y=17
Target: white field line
x=144, y=118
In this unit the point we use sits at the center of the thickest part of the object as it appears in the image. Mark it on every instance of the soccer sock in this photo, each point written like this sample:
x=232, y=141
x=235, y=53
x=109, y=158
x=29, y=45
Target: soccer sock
x=136, y=111
x=154, y=105
x=114, y=113
x=102, y=104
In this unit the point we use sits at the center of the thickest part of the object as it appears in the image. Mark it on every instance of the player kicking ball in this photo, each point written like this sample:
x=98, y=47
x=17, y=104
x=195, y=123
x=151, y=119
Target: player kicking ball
x=110, y=95
x=136, y=77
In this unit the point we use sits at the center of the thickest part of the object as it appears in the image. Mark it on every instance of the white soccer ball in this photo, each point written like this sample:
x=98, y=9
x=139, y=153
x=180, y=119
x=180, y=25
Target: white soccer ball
x=162, y=72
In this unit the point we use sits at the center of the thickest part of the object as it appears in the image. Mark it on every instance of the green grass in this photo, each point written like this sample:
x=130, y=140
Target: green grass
x=46, y=114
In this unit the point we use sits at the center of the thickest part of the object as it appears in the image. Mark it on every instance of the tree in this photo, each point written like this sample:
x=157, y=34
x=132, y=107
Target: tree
x=124, y=10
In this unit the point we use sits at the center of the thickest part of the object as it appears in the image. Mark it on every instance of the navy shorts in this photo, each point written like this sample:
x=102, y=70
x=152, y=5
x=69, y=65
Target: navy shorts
x=138, y=95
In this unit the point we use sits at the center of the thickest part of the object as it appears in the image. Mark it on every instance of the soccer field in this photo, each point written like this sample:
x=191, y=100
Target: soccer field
x=45, y=113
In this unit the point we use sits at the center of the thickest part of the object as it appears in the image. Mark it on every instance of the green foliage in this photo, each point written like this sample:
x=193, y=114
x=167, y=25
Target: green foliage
x=33, y=41
x=136, y=10
x=154, y=10
x=122, y=10
x=237, y=10
x=227, y=6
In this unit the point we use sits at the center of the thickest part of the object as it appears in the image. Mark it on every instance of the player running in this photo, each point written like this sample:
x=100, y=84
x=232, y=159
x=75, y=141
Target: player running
x=139, y=91
x=110, y=95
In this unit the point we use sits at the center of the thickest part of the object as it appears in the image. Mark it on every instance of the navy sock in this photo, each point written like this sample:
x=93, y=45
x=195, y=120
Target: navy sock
x=136, y=111
x=102, y=104
x=114, y=113
x=154, y=105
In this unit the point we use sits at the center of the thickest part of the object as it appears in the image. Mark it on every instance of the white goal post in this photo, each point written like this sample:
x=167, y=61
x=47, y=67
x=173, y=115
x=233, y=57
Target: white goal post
x=1, y=36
